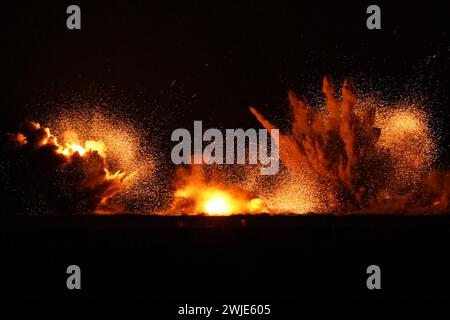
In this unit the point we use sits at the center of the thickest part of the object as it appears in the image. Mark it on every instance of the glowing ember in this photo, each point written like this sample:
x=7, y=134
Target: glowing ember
x=122, y=139
x=350, y=156
x=77, y=170
x=405, y=133
x=358, y=154
x=345, y=157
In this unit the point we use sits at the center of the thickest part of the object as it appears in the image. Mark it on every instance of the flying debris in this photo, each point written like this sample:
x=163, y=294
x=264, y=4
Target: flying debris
x=46, y=176
x=350, y=156
x=364, y=157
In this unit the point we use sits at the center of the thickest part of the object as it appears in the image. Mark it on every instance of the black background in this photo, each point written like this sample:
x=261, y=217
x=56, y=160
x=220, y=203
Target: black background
x=290, y=262
x=166, y=64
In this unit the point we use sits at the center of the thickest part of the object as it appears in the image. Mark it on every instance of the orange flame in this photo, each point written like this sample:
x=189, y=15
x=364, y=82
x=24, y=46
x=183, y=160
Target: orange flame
x=90, y=159
x=350, y=156
x=196, y=195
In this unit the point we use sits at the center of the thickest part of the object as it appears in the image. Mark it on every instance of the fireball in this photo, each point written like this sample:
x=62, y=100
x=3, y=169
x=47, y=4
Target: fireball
x=68, y=177
x=218, y=203
x=196, y=195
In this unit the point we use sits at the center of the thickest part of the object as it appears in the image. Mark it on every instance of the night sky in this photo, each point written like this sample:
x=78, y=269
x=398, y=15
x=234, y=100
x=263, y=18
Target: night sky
x=167, y=64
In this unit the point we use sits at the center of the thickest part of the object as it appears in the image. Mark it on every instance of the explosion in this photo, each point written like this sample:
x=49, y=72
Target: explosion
x=349, y=156
x=67, y=177
x=360, y=154
x=195, y=194
x=408, y=138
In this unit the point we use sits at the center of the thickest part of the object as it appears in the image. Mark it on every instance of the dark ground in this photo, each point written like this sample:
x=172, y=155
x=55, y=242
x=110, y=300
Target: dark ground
x=245, y=259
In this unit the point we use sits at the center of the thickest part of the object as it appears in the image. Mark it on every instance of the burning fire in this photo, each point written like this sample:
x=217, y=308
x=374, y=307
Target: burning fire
x=90, y=146
x=196, y=195
x=360, y=155
x=350, y=156
x=86, y=183
x=216, y=201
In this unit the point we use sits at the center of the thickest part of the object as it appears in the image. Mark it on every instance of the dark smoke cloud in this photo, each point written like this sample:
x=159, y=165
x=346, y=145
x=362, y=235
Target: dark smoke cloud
x=37, y=179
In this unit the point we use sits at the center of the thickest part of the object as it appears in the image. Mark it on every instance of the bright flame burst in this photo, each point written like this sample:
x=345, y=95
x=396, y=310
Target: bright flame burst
x=121, y=139
x=196, y=195
x=90, y=146
x=80, y=167
x=349, y=156
x=73, y=146
x=218, y=203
